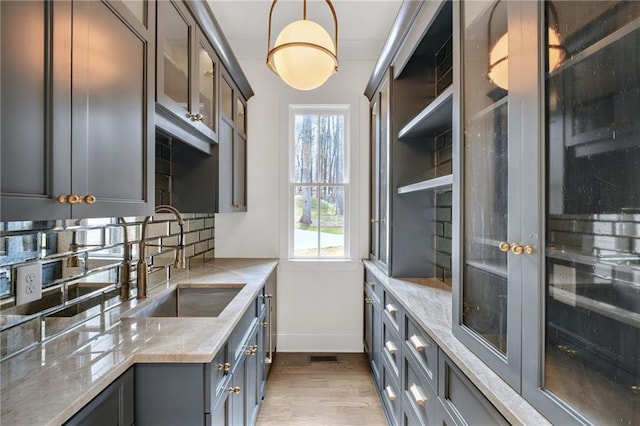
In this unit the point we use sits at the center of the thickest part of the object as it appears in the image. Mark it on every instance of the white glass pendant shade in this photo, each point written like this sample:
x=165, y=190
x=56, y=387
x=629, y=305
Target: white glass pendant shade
x=499, y=58
x=304, y=55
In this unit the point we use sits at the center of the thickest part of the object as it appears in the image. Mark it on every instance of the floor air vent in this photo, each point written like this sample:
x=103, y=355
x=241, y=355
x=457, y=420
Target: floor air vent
x=324, y=358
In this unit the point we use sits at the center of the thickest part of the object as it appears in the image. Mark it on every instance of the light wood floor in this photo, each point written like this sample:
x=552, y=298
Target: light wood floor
x=301, y=392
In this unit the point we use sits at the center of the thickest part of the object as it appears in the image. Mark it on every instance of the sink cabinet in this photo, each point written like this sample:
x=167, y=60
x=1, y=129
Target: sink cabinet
x=88, y=106
x=226, y=391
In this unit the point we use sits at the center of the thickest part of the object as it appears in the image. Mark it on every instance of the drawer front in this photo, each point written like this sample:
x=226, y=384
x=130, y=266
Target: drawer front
x=461, y=399
x=419, y=397
x=237, y=340
x=372, y=283
x=391, y=346
x=418, y=343
x=392, y=311
x=217, y=373
x=391, y=394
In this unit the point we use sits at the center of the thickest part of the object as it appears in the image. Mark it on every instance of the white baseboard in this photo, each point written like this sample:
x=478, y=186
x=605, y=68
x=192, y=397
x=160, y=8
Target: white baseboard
x=320, y=343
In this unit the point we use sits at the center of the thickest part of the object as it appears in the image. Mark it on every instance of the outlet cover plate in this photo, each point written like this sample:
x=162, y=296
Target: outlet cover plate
x=28, y=283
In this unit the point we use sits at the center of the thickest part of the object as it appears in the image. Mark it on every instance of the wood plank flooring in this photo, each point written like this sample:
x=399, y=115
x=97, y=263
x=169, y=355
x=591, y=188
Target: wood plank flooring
x=304, y=392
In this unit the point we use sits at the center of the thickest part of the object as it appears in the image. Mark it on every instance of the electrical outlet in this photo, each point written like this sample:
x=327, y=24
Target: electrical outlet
x=28, y=283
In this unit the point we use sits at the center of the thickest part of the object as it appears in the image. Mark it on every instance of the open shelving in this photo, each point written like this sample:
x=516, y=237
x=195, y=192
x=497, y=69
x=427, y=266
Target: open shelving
x=441, y=183
x=434, y=119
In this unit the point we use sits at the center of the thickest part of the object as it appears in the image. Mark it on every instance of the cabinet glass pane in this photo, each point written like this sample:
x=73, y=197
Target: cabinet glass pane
x=240, y=116
x=239, y=172
x=384, y=175
x=207, y=87
x=226, y=99
x=485, y=198
x=375, y=180
x=176, y=54
x=592, y=316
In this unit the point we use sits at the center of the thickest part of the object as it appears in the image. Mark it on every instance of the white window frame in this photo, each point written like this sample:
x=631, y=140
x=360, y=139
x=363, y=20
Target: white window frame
x=330, y=109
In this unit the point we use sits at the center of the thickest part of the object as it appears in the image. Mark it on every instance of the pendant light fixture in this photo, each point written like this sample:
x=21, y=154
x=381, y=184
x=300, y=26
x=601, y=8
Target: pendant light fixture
x=498, y=71
x=304, y=56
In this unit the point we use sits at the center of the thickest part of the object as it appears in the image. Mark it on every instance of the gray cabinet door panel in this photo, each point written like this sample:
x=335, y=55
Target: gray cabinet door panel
x=110, y=111
x=32, y=173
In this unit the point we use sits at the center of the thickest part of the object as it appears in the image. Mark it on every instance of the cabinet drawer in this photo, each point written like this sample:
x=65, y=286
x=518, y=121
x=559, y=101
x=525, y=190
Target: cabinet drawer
x=241, y=332
x=419, y=397
x=391, y=346
x=373, y=284
x=418, y=343
x=392, y=310
x=464, y=403
x=217, y=373
x=390, y=393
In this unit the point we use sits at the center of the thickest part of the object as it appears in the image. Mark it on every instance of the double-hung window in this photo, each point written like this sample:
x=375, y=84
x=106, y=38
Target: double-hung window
x=318, y=182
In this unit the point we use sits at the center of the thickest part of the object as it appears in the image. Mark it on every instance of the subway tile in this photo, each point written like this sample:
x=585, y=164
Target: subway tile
x=206, y=234
x=200, y=247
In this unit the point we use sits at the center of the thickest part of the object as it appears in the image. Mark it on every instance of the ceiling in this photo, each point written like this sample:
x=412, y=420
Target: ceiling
x=363, y=25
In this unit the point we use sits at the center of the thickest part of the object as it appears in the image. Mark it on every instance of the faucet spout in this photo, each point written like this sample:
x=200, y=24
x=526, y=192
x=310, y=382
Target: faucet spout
x=142, y=267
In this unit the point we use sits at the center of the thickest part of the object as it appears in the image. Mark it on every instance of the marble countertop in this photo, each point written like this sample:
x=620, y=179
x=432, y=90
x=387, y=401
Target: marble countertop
x=429, y=302
x=47, y=384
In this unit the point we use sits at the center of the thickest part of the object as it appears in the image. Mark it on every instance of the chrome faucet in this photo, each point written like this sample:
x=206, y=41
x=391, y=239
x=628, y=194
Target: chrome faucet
x=142, y=267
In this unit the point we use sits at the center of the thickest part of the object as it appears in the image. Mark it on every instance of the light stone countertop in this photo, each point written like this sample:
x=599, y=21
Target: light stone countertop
x=430, y=304
x=48, y=384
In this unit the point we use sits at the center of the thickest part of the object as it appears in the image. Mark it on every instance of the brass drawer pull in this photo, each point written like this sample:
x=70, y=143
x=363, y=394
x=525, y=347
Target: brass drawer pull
x=196, y=117
x=234, y=389
x=418, y=343
x=371, y=284
x=391, y=309
x=391, y=347
x=224, y=367
x=635, y=389
x=417, y=395
x=251, y=350
x=391, y=395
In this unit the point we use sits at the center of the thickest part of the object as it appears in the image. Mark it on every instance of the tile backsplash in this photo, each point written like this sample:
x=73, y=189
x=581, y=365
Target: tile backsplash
x=87, y=265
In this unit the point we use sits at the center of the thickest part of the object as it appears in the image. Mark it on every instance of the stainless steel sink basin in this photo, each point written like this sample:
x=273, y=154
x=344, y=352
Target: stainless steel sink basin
x=188, y=300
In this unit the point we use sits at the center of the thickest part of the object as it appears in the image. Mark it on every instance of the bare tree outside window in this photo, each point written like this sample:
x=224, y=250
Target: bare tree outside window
x=319, y=184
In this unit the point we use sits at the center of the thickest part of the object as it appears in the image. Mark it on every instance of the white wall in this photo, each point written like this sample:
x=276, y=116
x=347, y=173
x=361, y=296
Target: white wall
x=319, y=302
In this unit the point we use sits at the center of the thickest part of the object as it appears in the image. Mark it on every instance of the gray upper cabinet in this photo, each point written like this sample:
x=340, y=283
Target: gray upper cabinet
x=545, y=288
x=187, y=77
x=232, y=148
x=87, y=107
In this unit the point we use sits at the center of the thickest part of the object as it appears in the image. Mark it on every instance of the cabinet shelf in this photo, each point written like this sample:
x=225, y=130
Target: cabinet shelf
x=435, y=184
x=498, y=270
x=432, y=120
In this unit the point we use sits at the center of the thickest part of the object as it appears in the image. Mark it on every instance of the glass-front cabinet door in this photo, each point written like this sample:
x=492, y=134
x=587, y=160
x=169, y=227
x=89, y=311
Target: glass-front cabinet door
x=488, y=272
x=589, y=308
x=206, y=117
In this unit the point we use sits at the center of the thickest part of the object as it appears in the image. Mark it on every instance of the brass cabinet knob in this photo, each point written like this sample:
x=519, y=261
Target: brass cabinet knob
x=62, y=198
x=234, y=389
x=90, y=199
x=74, y=199
x=196, y=117
x=504, y=246
x=265, y=324
x=528, y=249
x=252, y=350
x=517, y=249
x=224, y=367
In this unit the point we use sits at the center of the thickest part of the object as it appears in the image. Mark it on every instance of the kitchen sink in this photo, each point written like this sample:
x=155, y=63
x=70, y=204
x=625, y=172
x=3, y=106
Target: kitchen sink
x=188, y=300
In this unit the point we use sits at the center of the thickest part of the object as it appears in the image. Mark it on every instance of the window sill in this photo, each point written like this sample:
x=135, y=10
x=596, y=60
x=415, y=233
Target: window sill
x=319, y=264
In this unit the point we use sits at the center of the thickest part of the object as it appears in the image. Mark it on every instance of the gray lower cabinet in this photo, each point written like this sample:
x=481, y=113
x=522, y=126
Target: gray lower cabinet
x=69, y=117
x=416, y=381
x=227, y=391
x=114, y=405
